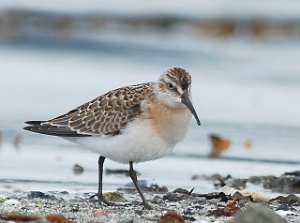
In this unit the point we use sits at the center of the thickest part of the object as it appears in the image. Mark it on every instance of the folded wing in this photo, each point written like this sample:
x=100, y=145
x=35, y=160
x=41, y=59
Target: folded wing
x=105, y=115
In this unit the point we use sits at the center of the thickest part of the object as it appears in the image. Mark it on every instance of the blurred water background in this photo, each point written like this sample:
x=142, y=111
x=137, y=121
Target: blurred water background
x=243, y=57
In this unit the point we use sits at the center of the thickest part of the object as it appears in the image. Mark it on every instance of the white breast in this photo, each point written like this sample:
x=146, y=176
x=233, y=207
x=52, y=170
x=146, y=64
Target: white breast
x=138, y=142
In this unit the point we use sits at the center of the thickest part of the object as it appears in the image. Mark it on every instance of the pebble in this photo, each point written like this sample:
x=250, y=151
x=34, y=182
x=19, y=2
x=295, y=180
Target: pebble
x=41, y=195
x=175, y=197
x=78, y=169
x=258, y=214
x=114, y=197
x=11, y=205
x=283, y=207
x=171, y=217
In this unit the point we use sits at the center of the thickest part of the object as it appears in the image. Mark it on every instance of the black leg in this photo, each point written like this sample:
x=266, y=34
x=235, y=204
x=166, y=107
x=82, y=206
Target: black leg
x=100, y=172
x=133, y=177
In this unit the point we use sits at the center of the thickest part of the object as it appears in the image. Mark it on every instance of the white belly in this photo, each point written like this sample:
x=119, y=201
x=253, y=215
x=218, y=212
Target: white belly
x=137, y=143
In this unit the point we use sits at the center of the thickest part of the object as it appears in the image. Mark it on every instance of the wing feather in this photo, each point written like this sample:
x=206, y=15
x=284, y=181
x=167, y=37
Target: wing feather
x=105, y=115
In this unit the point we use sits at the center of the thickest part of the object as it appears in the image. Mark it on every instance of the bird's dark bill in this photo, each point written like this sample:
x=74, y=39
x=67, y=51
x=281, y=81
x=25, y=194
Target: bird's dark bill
x=186, y=101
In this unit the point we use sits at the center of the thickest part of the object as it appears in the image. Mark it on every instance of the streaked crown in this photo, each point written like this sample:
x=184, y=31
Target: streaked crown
x=171, y=85
x=174, y=89
x=178, y=76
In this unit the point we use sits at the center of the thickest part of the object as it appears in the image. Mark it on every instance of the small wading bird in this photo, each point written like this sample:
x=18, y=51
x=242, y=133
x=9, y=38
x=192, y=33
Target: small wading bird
x=129, y=125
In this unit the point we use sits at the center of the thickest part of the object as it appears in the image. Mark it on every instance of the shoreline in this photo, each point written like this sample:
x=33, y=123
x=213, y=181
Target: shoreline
x=192, y=207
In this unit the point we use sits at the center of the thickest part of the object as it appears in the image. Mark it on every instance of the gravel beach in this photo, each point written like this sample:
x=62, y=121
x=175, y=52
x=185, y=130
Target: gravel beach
x=177, y=206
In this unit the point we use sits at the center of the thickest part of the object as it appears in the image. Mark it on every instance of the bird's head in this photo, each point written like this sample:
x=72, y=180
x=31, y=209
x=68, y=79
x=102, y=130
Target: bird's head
x=174, y=89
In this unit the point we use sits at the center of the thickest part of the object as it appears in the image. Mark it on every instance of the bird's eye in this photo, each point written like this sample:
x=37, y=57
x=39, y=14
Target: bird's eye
x=171, y=86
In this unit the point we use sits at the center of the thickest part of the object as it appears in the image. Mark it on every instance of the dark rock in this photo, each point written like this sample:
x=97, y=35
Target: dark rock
x=255, y=180
x=241, y=199
x=78, y=169
x=188, y=212
x=265, y=180
x=214, y=195
x=198, y=201
x=295, y=173
x=175, y=197
x=268, y=181
x=257, y=214
x=139, y=212
x=183, y=191
x=219, y=181
x=286, y=184
x=154, y=188
x=283, y=207
x=238, y=184
x=41, y=195
x=292, y=200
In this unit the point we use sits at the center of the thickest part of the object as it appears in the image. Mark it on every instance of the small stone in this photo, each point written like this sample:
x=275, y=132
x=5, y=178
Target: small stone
x=175, y=197
x=78, y=169
x=199, y=201
x=41, y=195
x=57, y=218
x=238, y=184
x=36, y=194
x=283, y=207
x=157, y=200
x=154, y=188
x=257, y=214
x=171, y=217
x=292, y=200
x=183, y=191
x=114, y=197
x=210, y=196
x=255, y=180
x=286, y=184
